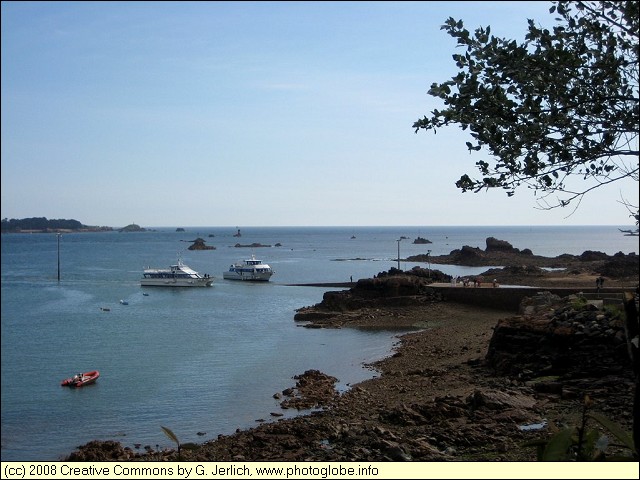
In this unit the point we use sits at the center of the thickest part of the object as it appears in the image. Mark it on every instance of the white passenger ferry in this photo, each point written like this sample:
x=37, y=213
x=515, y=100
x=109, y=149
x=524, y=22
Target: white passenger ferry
x=178, y=275
x=252, y=270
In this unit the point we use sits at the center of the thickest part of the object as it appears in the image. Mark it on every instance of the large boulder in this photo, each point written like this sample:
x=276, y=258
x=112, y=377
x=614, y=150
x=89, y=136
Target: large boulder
x=495, y=245
x=198, y=244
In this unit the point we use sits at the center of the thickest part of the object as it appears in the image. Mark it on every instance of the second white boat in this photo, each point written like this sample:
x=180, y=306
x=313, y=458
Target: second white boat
x=251, y=270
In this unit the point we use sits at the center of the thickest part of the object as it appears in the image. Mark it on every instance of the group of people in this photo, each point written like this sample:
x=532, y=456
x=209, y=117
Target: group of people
x=599, y=282
x=477, y=281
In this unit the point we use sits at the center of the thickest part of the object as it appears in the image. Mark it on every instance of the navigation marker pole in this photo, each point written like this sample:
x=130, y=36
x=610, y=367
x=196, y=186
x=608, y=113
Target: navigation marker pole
x=59, y=235
x=399, y=240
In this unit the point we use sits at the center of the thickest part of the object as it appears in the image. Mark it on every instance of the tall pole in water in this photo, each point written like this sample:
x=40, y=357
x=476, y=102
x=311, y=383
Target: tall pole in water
x=59, y=235
x=398, y=252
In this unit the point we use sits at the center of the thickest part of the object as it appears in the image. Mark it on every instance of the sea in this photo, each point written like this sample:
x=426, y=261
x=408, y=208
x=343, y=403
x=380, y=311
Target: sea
x=200, y=361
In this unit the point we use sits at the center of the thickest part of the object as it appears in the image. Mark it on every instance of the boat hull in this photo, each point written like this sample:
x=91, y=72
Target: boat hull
x=167, y=282
x=247, y=277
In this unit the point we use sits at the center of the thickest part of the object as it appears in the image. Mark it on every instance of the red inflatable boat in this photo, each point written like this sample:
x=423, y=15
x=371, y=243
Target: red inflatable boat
x=81, y=379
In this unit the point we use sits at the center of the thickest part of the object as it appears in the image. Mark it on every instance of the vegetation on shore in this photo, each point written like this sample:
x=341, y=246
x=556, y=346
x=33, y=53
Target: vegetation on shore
x=42, y=224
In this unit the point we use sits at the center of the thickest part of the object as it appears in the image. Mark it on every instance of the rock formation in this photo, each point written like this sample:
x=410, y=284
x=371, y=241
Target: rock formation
x=132, y=228
x=420, y=240
x=198, y=244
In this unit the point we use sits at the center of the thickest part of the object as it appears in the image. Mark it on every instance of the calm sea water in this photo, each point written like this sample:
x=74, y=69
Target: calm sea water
x=203, y=359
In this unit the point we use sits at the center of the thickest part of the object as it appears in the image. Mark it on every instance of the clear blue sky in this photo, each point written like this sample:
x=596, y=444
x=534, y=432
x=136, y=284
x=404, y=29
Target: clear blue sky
x=248, y=114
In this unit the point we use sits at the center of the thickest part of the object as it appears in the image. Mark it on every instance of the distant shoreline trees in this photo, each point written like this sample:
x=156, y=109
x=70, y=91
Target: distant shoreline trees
x=42, y=224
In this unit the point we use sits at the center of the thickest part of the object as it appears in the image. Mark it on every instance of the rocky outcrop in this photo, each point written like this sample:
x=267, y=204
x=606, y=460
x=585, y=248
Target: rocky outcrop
x=620, y=265
x=199, y=244
x=519, y=271
x=102, y=451
x=500, y=252
x=388, y=289
x=253, y=245
x=495, y=245
x=313, y=389
x=421, y=240
x=132, y=228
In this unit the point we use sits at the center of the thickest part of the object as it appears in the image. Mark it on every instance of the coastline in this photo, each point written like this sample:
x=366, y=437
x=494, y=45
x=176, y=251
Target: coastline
x=452, y=340
x=453, y=389
x=435, y=399
x=134, y=421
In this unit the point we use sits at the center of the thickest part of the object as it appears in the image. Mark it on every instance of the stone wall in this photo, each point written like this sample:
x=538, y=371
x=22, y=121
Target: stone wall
x=509, y=298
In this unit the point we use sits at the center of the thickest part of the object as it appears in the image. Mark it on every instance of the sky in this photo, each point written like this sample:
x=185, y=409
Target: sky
x=250, y=114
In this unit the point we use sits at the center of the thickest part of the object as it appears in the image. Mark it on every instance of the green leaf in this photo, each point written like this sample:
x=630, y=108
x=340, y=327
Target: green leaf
x=615, y=429
x=170, y=434
x=558, y=446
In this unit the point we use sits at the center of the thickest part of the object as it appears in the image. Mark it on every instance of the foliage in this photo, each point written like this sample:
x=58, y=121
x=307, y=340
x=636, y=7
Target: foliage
x=561, y=105
x=39, y=223
x=579, y=303
x=585, y=444
x=613, y=311
x=172, y=436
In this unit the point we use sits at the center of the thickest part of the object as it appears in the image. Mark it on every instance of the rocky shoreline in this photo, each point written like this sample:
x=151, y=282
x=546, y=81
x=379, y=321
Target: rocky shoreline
x=469, y=384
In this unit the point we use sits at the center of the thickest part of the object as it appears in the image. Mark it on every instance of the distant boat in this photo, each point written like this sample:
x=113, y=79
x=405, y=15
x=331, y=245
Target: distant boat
x=178, y=275
x=81, y=379
x=252, y=270
x=124, y=302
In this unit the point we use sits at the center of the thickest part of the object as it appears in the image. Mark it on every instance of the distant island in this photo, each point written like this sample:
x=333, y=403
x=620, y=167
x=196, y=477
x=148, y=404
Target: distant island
x=132, y=227
x=43, y=225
